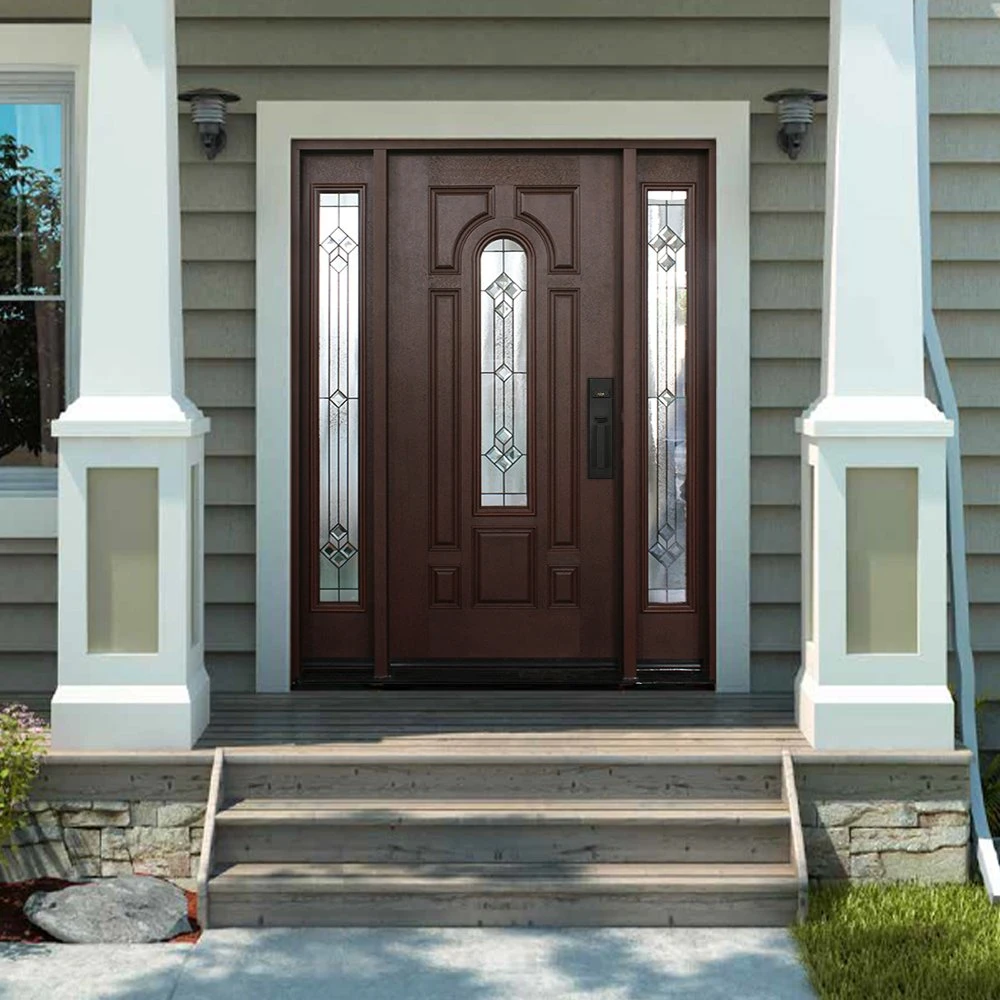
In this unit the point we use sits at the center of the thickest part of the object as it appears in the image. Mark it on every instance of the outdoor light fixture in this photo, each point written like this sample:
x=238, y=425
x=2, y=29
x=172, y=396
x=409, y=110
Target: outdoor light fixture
x=208, y=112
x=796, y=113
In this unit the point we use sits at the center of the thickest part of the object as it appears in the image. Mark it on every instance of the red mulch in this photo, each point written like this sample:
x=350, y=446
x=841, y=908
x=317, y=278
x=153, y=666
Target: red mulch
x=15, y=926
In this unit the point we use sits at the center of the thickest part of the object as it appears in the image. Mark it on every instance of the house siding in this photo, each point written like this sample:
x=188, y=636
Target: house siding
x=602, y=49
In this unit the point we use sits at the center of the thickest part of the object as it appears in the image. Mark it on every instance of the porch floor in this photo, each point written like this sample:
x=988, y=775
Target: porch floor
x=463, y=721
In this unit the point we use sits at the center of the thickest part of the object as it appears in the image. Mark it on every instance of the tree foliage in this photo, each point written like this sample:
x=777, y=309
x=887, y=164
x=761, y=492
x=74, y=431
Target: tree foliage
x=22, y=745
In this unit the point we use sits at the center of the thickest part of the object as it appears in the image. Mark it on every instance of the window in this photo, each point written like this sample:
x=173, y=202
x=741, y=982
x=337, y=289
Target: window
x=666, y=393
x=35, y=280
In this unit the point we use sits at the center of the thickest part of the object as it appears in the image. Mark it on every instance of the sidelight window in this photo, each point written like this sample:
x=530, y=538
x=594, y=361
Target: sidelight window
x=503, y=272
x=666, y=396
x=339, y=291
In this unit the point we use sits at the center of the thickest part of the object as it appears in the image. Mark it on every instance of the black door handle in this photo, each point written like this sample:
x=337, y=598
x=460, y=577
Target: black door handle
x=600, y=420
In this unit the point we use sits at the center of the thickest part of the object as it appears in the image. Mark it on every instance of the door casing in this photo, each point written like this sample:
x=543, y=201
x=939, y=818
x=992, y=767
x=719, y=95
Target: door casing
x=280, y=123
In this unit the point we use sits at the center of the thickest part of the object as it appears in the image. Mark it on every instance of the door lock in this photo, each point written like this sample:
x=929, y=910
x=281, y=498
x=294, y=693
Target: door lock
x=601, y=428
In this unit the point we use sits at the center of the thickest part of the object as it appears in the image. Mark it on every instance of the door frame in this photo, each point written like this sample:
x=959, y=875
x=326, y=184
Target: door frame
x=549, y=124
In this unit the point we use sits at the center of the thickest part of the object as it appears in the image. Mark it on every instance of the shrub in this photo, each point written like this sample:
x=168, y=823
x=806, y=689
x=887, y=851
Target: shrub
x=23, y=739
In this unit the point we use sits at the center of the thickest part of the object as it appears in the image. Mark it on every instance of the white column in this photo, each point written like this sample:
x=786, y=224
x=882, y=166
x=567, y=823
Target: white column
x=131, y=659
x=874, y=671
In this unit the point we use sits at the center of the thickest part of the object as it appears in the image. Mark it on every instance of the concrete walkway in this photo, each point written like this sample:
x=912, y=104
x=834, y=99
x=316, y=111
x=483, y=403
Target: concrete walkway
x=388, y=964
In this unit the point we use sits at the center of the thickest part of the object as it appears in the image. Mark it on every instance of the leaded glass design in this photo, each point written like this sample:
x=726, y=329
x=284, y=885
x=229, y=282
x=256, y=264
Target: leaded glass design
x=666, y=395
x=339, y=289
x=504, y=375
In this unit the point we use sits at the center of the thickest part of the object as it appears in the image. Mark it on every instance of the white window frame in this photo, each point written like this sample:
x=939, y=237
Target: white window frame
x=281, y=122
x=48, y=63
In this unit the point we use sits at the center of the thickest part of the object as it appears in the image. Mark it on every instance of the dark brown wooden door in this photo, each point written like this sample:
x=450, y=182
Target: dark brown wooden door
x=502, y=433
x=501, y=547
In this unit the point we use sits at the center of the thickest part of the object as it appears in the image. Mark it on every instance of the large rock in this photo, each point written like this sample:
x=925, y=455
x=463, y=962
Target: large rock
x=128, y=910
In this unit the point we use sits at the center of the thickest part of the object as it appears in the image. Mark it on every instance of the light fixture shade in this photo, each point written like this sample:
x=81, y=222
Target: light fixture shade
x=208, y=112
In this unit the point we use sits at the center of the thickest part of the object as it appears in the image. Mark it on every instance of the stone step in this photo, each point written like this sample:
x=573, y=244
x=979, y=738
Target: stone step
x=517, y=831
x=563, y=895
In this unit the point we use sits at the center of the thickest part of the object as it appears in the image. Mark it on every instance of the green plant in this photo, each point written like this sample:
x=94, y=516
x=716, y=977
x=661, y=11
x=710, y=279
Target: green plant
x=23, y=738
x=990, y=776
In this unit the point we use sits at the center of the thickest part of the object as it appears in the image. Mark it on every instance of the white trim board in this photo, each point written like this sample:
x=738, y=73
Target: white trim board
x=281, y=122
x=28, y=495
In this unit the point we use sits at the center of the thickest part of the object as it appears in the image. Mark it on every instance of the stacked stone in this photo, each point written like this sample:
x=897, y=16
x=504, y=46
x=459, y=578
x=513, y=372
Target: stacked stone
x=887, y=841
x=96, y=839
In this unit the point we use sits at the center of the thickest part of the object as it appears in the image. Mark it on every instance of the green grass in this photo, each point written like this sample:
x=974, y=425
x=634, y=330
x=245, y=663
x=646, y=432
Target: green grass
x=872, y=942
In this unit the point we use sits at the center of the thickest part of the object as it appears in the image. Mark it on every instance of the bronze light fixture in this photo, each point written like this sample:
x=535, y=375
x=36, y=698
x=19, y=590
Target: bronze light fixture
x=208, y=112
x=796, y=113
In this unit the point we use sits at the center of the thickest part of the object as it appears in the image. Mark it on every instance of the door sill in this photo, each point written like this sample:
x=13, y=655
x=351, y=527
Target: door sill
x=499, y=675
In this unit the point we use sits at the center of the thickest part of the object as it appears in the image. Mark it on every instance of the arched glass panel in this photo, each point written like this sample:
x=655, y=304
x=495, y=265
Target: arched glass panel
x=339, y=285
x=666, y=396
x=503, y=435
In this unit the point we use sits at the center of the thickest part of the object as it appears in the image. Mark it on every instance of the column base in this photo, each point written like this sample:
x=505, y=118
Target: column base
x=874, y=717
x=123, y=717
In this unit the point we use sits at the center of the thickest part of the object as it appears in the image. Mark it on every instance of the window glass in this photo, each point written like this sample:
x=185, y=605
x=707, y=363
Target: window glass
x=503, y=391
x=32, y=304
x=666, y=396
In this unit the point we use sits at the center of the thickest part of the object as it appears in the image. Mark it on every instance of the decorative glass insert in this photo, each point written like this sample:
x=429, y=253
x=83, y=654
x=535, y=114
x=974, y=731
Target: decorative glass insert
x=503, y=271
x=339, y=288
x=32, y=297
x=666, y=396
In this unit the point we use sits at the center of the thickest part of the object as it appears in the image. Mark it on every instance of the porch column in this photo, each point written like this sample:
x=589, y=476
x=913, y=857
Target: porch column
x=874, y=671
x=131, y=447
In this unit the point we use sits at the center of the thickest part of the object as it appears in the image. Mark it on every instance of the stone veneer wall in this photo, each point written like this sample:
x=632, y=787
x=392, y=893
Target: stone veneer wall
x=874, y=822
x=79, y=840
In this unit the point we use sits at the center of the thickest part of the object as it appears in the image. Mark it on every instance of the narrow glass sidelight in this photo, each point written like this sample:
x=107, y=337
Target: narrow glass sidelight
x=504, y=298
x=666, y=396
x=339, y=290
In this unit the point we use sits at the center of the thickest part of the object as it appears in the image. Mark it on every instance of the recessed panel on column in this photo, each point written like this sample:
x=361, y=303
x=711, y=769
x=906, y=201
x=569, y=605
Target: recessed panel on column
x=882, y=598
x=666, y=396
x=196, y=559
x=339, y=366
x=123, y=560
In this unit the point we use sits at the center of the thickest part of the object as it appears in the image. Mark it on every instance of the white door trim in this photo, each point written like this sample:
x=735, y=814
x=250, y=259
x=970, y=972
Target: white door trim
x=280, y=122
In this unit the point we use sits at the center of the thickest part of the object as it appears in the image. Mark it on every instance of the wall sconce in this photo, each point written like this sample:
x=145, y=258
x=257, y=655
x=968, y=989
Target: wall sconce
x=208, y=112
x=796, y=113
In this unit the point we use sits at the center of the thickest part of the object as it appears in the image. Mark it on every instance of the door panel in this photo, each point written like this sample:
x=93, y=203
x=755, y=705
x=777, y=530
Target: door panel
x=493, y=331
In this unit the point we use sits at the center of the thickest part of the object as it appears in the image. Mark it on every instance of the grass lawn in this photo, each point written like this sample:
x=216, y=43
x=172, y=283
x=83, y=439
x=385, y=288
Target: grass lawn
x=871, y=942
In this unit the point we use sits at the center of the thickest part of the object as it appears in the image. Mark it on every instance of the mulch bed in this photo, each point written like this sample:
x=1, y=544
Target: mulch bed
x=15, y=926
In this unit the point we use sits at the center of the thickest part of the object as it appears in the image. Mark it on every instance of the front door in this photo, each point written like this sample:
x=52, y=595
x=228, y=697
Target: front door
x=504, y=541
x=501, y=423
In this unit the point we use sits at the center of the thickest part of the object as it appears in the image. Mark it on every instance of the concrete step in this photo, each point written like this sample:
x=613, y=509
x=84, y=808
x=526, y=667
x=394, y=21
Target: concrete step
x=458, y=895
x=517, y=831
x=510, y=771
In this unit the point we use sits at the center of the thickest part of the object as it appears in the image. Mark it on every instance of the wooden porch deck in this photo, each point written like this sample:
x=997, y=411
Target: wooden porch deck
x=556, y=721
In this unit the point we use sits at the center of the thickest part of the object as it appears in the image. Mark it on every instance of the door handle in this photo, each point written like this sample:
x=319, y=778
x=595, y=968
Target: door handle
x=600, y=423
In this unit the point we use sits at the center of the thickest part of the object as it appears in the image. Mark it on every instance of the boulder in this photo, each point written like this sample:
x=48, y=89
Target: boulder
x=133, y=909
